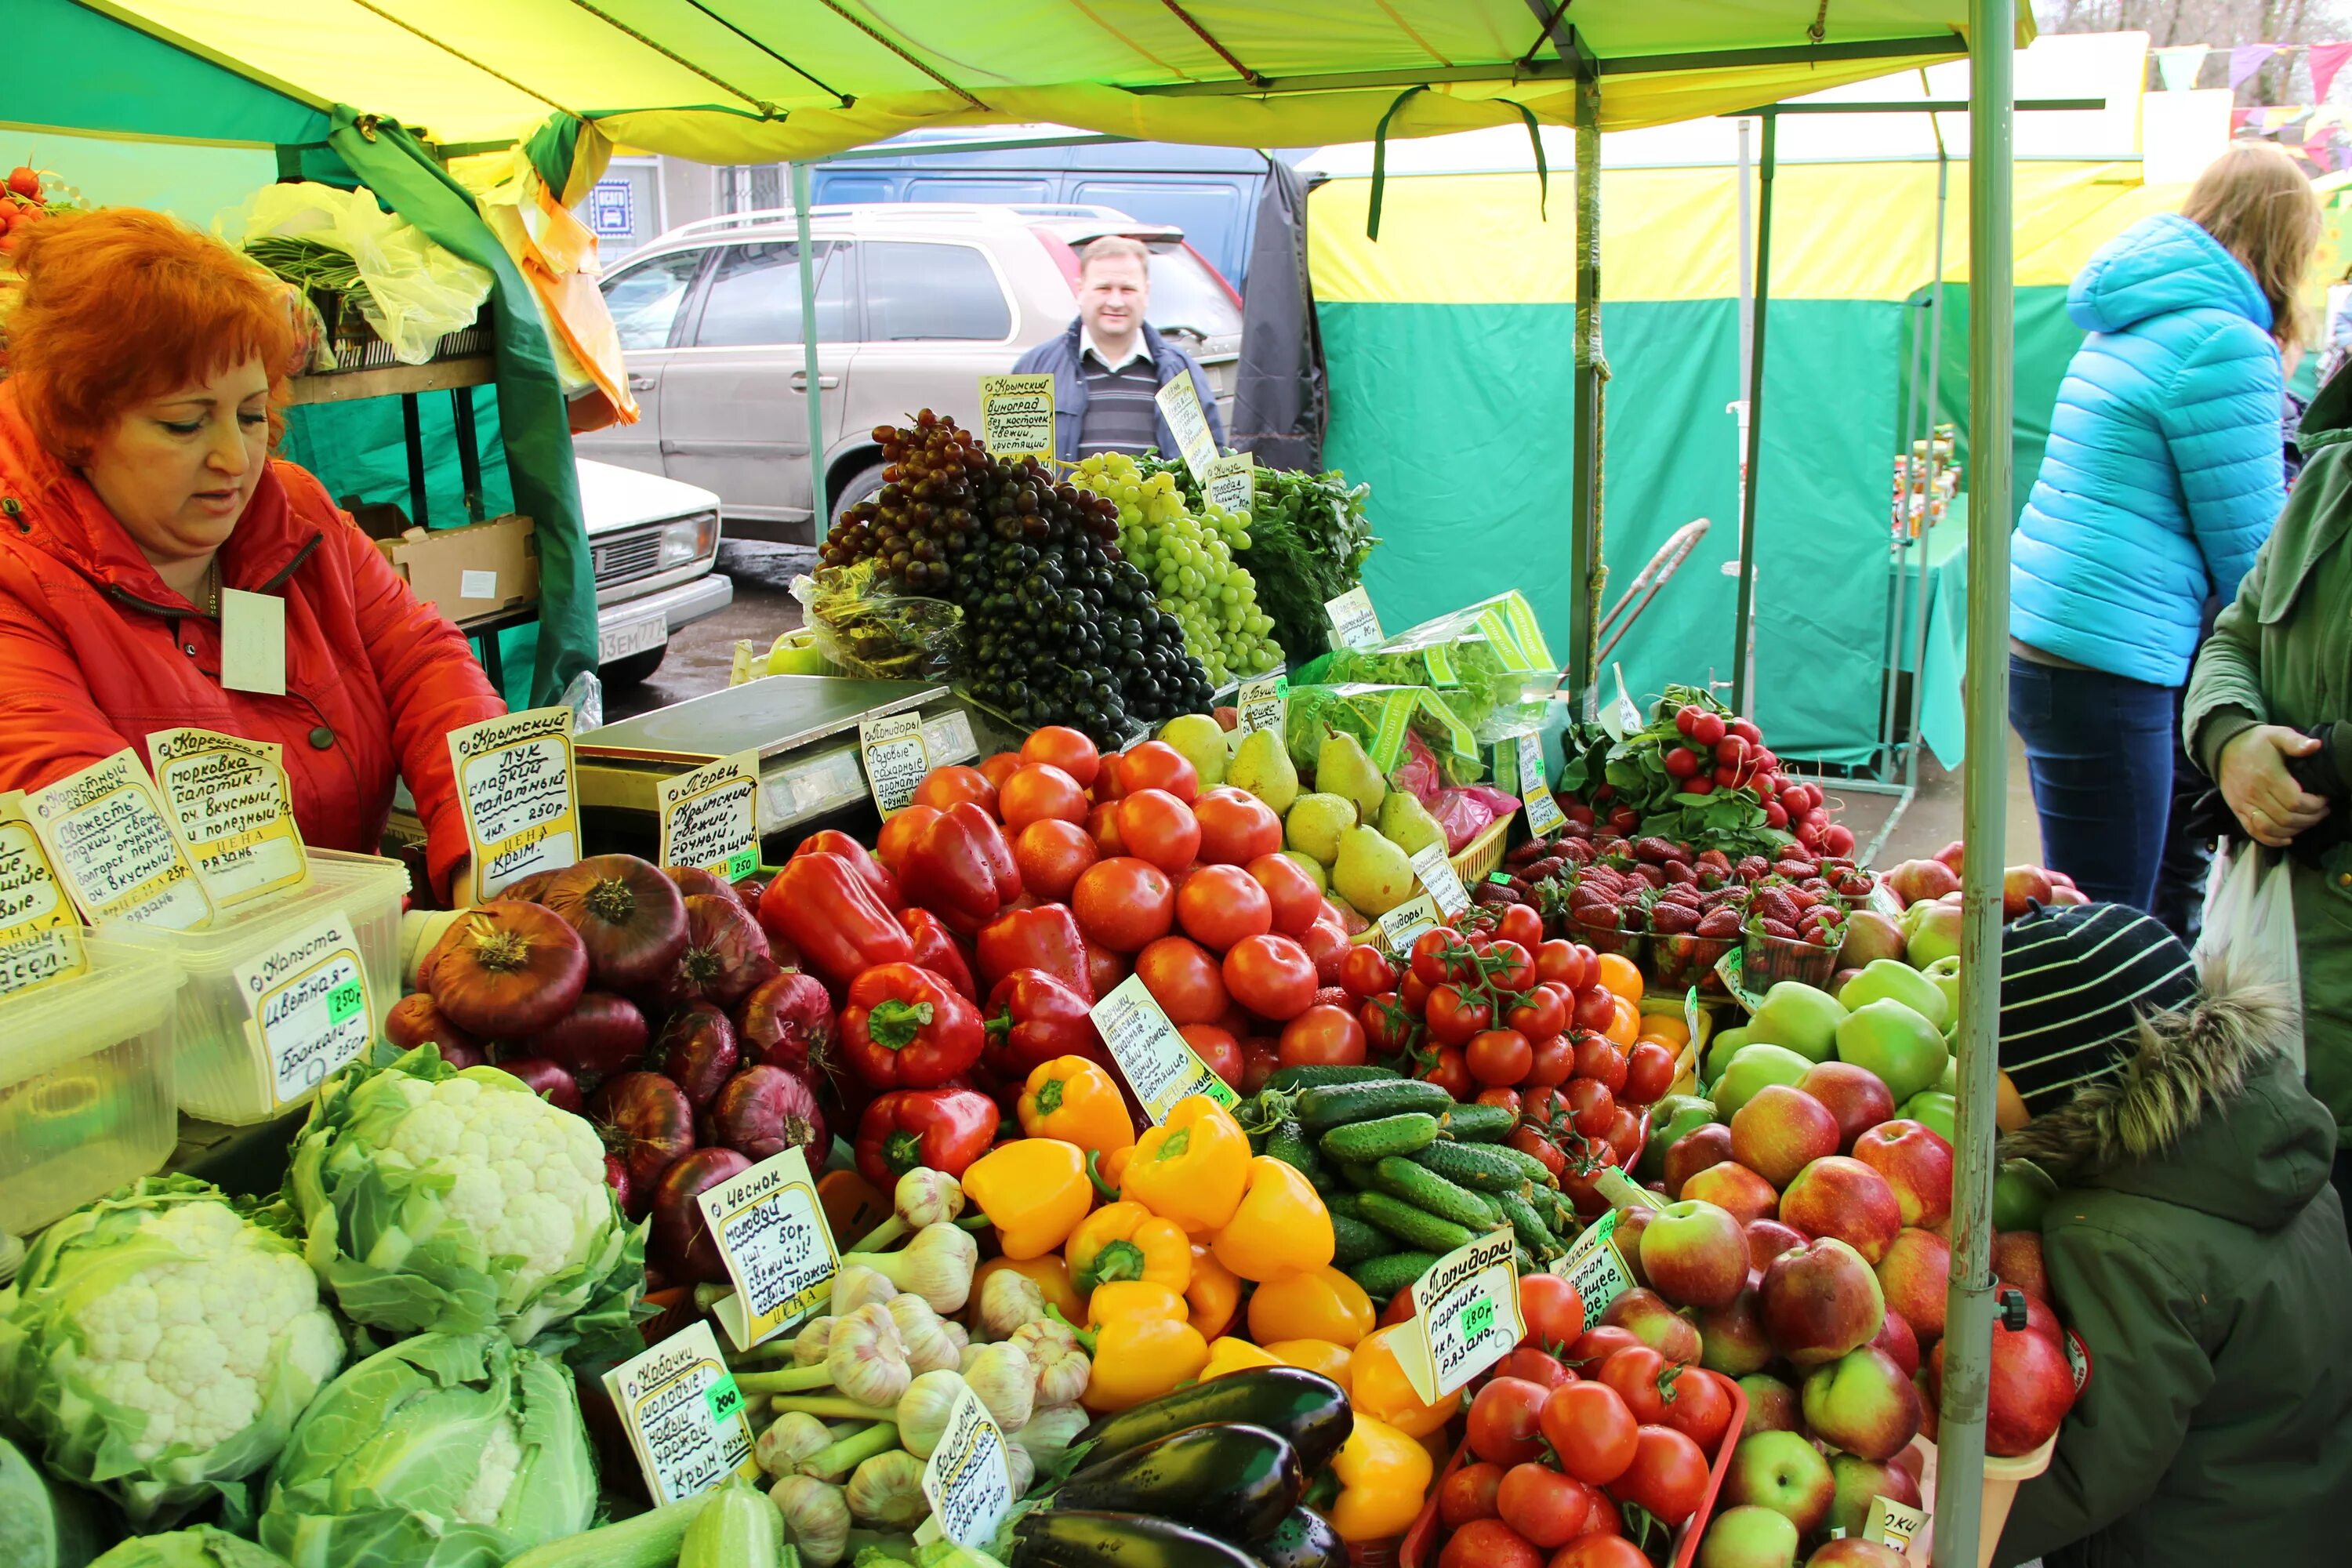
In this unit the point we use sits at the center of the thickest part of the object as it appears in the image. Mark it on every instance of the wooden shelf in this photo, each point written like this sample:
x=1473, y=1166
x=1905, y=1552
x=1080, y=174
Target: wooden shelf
x=434, y=375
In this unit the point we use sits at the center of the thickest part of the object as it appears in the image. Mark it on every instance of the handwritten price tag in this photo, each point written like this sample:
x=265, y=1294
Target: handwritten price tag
x=308, y=1007
x=1893, y=1523
x=1444, y=884
x=1261, y=703
x=1402, y=925
x=897, y=758
x=778, y=1249
x=1353, y=624
x=1467, y=1313
x=711, y=817
x=966, y=1479
x=1017, y=414
x=1544, y=816
x=1180, y=405
x=1151, y=1056
x=684, y=1414
x=1231, y=482
x=1595, y=1268
x=228, y=800
x=108, y=837
x=40, y=939
x=514, y=779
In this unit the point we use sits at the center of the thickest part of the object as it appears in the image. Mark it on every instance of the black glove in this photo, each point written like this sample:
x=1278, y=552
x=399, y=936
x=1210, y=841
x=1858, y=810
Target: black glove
x=2321, y=774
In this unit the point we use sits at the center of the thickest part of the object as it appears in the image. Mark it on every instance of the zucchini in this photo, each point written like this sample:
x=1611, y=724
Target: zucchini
x=1433, y=1194
x=741, y=1529
x=1330, y=1105
x=1478, y=1123
x=1533, y=1233
x=1382, y=1277
x=1414, y=1227
x=1285, y=1079
x=1288, y=1144
x=1236, y=1482
x=650, y=1539
x=1482, y=1167
x=1305, y=1409
x=1352, y=1240
x=1075, y=1538
x=1399, y=1134
x=1305, y=1539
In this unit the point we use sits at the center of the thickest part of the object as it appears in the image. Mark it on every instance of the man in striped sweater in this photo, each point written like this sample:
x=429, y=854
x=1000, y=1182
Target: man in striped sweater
x=1109, y=367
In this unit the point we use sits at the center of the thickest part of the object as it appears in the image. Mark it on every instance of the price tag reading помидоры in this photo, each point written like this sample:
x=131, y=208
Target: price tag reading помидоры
x=1353, y=624
x=108, y=838
x=1444, y=884
x=778, y=1249
x=1151, y=1056
x=1261, y=704
x=1403, y=925
x=897, y=758
x=1595, y=1268
x=1016, y=415
x=228, y=800
x=711, y=817
x=1544, y=816
x=1231, y=482
x=514, y=779
x=1465, y=1315
x=308, y=1006
x=40, y=937
x=1180, y=405
x=966, y=1479
x=684, y=1414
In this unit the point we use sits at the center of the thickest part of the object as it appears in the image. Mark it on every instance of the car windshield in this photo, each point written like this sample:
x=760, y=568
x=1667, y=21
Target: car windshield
x=1185, y=293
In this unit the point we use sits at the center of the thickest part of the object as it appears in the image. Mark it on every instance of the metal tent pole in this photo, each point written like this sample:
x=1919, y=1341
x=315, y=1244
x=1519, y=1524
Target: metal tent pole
x=1927, y=514
x=1967, y=1351
x=1899, y=545
x=1741, y=619
x=818, y=519
x=1584, y=541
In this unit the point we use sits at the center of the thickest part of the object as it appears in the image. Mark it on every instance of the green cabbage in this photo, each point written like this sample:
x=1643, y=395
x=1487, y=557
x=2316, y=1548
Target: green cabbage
x=442, y=1451
x=202, y=1547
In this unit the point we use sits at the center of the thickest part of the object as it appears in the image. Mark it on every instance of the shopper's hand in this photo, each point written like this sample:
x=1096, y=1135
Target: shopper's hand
x=2264, y=796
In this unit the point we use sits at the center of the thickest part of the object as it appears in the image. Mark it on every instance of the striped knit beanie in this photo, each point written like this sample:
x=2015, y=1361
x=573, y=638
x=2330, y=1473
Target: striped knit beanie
x=2074, y=982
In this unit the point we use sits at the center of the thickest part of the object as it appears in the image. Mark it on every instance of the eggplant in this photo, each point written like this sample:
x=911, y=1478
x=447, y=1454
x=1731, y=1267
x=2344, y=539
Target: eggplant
x=1236, y=1482
x=1304, y=1539
x=1305, y=1409
x=1070, y=1538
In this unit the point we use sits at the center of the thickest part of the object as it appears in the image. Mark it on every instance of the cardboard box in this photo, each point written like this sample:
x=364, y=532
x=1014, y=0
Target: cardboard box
x=469, y=572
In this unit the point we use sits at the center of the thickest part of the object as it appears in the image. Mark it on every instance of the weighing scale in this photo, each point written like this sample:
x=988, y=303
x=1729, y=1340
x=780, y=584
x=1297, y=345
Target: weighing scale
x=804, y=727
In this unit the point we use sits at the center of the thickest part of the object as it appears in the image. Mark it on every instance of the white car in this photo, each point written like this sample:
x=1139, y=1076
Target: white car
x=654, y=543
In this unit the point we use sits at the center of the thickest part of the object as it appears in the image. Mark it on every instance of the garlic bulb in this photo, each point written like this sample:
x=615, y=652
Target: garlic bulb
x=923, y=1409
x=1020, y=1467
x=1050, y=1429
x=867, y=1360
x=789, y=1439
x=1006, y=1382
x=1062, y=1367
x=957, y=1333
x=888, y=1491
x=1008, y=1299
x=813, y=1340
x=855, y=1286
x=817, y=1518
x=924, y=1196
x=924, y=1334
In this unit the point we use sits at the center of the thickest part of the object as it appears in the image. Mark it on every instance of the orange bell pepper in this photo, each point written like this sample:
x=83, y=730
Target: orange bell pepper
x=1127, y=1241
x=1193, y=1168
x=1384, y=1475
x=1074, y=1099
x=1229, y=1355
x=1315, y=1355
x=1316, y=1304
x=1215, y=1295
x=1034, y=1191
x=1143, y=1347
x=1378, y=1389
x=1052, y=1277
x=1280, y=1227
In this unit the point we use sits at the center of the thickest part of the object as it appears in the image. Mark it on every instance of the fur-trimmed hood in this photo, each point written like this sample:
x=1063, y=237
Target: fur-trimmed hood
x=2212, y=1114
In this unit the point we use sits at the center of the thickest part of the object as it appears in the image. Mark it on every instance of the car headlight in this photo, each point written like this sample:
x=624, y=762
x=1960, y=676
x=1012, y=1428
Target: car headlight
x=688, y=539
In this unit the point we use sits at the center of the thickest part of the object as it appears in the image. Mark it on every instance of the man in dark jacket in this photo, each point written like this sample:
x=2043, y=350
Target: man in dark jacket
x=2195, y=1248
x=1108, y=368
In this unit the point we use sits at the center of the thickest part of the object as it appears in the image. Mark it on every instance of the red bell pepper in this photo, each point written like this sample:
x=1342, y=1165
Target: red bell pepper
x=943, y=1129
x=1044, y=937
x=905, y=1027
x=937, y=949
x=833, y=841
x=833, y=919
x=1033, y=1018
x=962, y=868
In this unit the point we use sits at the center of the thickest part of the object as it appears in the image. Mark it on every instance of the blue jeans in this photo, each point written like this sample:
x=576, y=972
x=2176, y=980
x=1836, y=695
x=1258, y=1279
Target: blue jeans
x=2100, y=749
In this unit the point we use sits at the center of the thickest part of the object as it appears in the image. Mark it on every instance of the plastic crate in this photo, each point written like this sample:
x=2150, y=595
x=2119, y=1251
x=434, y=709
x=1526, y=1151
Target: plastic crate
x=224, y=1074
x=85, y=1084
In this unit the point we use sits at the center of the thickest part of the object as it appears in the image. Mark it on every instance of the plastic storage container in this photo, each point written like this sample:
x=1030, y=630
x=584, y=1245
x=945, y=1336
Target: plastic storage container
x=224, y=1073
x=85, y=1084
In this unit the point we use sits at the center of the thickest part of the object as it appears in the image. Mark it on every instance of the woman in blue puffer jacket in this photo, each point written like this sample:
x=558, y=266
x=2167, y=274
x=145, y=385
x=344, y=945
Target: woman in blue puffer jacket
x=2163, y=475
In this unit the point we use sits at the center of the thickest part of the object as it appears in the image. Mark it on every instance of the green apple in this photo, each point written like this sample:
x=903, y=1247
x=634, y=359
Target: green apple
x=1725, y=1045
x=1891, y=979
x=1800, y=1016
x=2019, y=1193
x=1749, y=1536
x=1946, y=974
x=1756, y=1066
x=1936, y=934
x=1898, y=1042
x=1949, y=1082
x=1669, y=1120
x=1934, y=1108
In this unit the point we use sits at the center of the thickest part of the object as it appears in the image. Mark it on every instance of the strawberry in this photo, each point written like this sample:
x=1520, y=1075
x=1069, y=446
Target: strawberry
x=1781, y=929
x=1775, y=905
x=1671, y=918
x=1653, y=875
x=1714, y=860
x=1721, y=921
x=1678, y=873
x=1822, y=936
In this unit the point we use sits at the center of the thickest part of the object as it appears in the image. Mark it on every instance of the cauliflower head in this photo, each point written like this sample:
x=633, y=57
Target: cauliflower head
x=159, y=1344
x=461, y=1202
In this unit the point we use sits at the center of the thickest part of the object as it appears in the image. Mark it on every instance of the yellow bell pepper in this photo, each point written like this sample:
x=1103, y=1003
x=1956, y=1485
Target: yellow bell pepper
x=1378, y=1389
x=1127, y=1241
x=1215, y=1295
x=1229, y=1355
x=1034, y=1191
x=1280, y=1227
x=1142, y=1345
x=1317, y=1304
x=1384, y=1475
x=1111, y=1169
x=1072, y=1099
x=1315, y=1355
x=1052, y=1276
x=1192, y=1168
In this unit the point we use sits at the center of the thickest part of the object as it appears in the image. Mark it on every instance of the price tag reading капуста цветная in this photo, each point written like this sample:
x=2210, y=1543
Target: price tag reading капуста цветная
x=229, y=800
x=967, y=1479
x=711, y=817
x=778, y=1249
x=308, y=1005
x=1151, y=1056
x=1465, y=1315
x=684, y=1416
x=897, y=758
x=107, y=836
x=1438, y=876
x=40, y=937
x=515, y=781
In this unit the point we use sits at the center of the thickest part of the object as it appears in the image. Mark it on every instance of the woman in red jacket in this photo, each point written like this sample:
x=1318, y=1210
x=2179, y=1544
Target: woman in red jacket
x=136, y=487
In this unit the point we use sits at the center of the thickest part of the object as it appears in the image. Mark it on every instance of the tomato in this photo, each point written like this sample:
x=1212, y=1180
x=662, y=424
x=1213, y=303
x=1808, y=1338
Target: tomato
x=1520, y=925
x=1488, y=1544
x=1508, y=1098
x=1701, y=1408
x=1326, y=948
x=998, y=766
x=1497, y=1057
x=1156, y=765
x=1553, y=1309
x=1552, y=1060
x=1270, y=976
x=1593, y=1347
x=898, y=836
x=1528, y=1140
x=1468, y=1493
x=1590, y=1428
x=1668, y=1475
x=1638, y=1374
x=1589, y=1106
x=1412, y=991
x=1596, y=1008
x=1366, y=971
x=1102, y=826
x=1040, y=792
x=1597, y=1058
x=1509, y=967
x=1105, y=968
x=509, y=969
x=1649, y=1072
x=1323, y=1037
x=1540, y=1012
x=1259, y=1060
x=1184, y=978
x=1218, y=1051
x=1157, y=826
x=1237, y=827
x=1558, y=962
x=1454, y=1018
x=1596, y=1549
x=1628, y=1131
x=1050, y=856
x=1505, y=1420
x=1296, y=901
x=1439, y=956
x=1449, y=1072
x=1534, y=1365
x=1124, y=903
x=1541, y=1504
x=1065, y=749
x=1389, y=1029
x=952, y=785
x=1218, y=905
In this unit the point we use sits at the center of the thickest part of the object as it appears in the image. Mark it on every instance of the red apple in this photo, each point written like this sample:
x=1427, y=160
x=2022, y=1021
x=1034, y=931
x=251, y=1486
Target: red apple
x=2033, y=1389
x=1857, y=1481
x=1732, y=1337
x=2039, y=1318
x=2020, y=884
x=1856, y=1096
x=1780, y=1131
x=1950, y=855
x=1842, y=1197
x=1768, y=1238
x=1915, y=1274
x=1854, y=1551
x=1895, y=1338
x=2066, y=894
x=1632, y=1223
x=1868, y=935
x=1820, y=1301
x=1648, y=1318
x=1861, y=1402
x=2017, y=1257
x=1915, y=881
x=1917, y=1162
x=1783, y=1472
x=1693, y=1253
x=1733, y=1186
x=1772, y=1404
x=1695, y=1151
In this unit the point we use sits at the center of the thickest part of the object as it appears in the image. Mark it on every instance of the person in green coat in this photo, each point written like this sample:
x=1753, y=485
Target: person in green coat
x=2193, y=1249
x=2266, y=717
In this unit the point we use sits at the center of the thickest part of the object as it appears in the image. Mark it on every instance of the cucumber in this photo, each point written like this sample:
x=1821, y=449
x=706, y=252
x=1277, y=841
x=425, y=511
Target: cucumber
x=1330, y=1105
x=1344, y=1205
x=1358, y=1174
x=1432, y=1194
x=1382, y=1277
x=1288, y=1144
x=1533, y=1233
x=1478, y=1123
x=1414, y=1227
x=1353, y=1241
x=1283, y=1078
x=1483, y=1167
x=1399, y=1134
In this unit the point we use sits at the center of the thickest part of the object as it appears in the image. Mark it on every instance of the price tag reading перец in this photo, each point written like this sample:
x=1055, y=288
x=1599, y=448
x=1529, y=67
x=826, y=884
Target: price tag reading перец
x=711, y=817
x=515, y=781
x=1465, y=1315
x=1151, y=1056
x=778, y=1249
x=684, y=1414
x=897, y=758
x=1444, y=884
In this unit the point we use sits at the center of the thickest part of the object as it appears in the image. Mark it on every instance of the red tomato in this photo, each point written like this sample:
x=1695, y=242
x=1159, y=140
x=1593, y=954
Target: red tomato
x=1413, y=991
x=1540, y=1013
x=1552, y=1061
x=1520, y=925
x=1323, y=1037
x=1590, y=1428
x=1065, y=749
x=1454, y=1018
x=1124, y=903
x=1668, y=1476
x=1528, y=1140
x=999, y=767
x=1553, y=1309
x=1593, y=1347
x=1649, y=1072
x=1450, y=1073
x=944, y=787
x=1237, y=827
x=1638, y=1374
x=1628, y=1130
x=898, y=836
x=1102, y=825
x=1389, y=1029
x=1534, y=1365
x=1598, y=1058
x=1508, y=1098
x=1701, y=1408
x=1106, y=969
x=1366, y=971
x=1497, y=1057
x=1259, y=1060
x=1439, y=955
x=1218, y=905
x=1327, y=947
x=1541, y=1504
x=1218, y=1051
x=1596, y=1008
x=1155, y=764
x=1157, y=826
x=1184, y=978
x=1595, y=1548
x=1297, y=901
x=1589, y=1106
x=1468, y=1493
x=1558, y=962
x=1488, y=1544
x=1040, y=792
x=1051, y=855
x=1510, y=967
x=1506, y=1420
x=1270, y=976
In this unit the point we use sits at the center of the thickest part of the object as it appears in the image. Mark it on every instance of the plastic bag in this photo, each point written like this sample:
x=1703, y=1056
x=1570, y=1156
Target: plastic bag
x=874, y=634
x=2249, y=916
x=416, y=292
x=1416, y=772
x=1462, y=816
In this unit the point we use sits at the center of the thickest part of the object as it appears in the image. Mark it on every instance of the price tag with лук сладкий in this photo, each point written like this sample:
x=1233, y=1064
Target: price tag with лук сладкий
x=230, y=802
x=308, y=1007
x=772, y=1235
x=1465, y=1315
x=41, y=938
x=108, y=840
x=1153, y=1057
x=711, y=816
x=684, y=1415
x=515, y=781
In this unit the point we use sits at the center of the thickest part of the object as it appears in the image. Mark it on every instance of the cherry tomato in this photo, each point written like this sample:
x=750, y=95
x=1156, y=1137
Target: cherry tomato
x=1323, y=1037
x=1259, y=1060
x=1597, y=1058
x=1558, y=962
x=1530, y=1140
x=1533, y=1365
x=1592, y=1347
x=1541, y=1504
x=1488, y=1544
x=1597, y=1549
x=1327, y=947
x=1468, y=1493
x=1065, y=749
x=1389, y=1029
x=1509, y=968
x=1505, y=1420
x=1520, y=925
x=1497, y=1057
x=1295, y=899
x=1508, y=1098
x=1366, y=971
x=1124, y=903
x=1649, y=1072
x=1454, y=1018
x=1438, y=957
x=1668, y=1477
x=1184, y=979
x=1218, y=1051
x=1596, y=1008
x=1051, y=856
x=1156, y=765
x=1590, y=1106
x=1413, y=991
x=1553, y=1061
x=1540, y=1012
x=1040, y=792
x=1701, y=1408
x=952, y=785
x=1102, y=826
x=1237, y=827
x=1638, y=1374
x=1157, y=826
x=1218, y=905
x=1270, y=976
x=1590, y=1428
x=1628, y=1131
x=1450, y=1073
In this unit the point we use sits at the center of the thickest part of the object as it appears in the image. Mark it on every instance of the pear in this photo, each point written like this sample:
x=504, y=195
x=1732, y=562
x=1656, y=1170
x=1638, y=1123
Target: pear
x=1342, y=769
x=1315, y=823
x=1202, y=740
x=1263, y=767
x=1404, y=822
x=1312, y=867
x=1372, y=873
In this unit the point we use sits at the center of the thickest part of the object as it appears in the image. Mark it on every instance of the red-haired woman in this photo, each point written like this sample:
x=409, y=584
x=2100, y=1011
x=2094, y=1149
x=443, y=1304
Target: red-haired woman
x=136, y=487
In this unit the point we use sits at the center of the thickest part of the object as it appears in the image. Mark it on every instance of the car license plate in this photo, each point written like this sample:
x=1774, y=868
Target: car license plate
x=619, y=639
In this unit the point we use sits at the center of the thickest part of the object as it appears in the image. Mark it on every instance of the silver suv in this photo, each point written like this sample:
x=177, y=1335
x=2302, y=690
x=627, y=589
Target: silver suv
x=915, y=302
